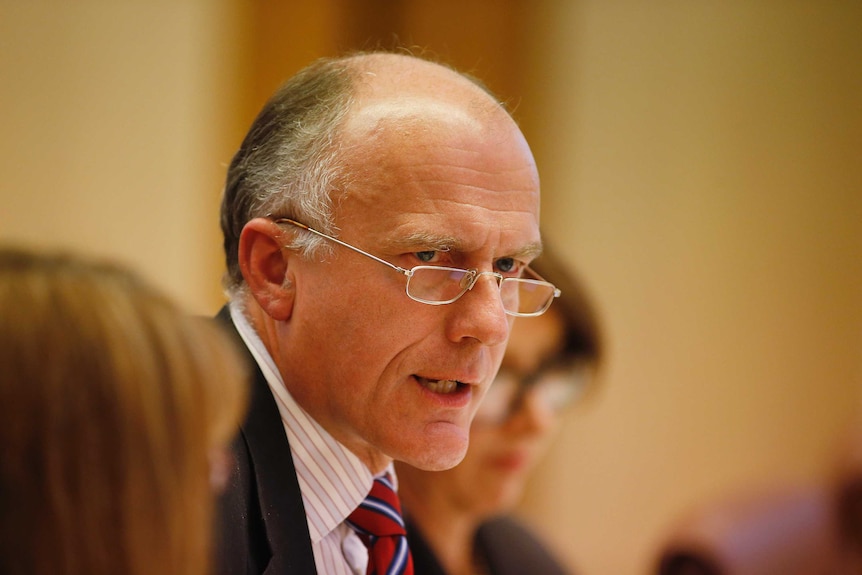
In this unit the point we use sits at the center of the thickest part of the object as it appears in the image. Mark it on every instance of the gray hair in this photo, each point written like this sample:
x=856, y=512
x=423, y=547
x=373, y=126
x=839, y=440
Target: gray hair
x=289, y=162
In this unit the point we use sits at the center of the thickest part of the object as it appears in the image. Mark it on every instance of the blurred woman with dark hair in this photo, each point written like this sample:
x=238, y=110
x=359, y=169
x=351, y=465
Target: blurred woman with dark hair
x=457, y=521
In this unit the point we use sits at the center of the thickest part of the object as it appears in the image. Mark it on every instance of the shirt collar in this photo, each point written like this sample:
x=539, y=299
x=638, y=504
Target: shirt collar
x=332, y=479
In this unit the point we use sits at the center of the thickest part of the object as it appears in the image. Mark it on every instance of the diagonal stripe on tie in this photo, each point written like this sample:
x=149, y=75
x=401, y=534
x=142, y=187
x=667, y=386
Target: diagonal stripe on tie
x=378, y=522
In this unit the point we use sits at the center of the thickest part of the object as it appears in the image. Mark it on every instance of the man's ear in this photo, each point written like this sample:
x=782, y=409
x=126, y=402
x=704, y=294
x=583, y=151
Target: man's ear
x=264, y=265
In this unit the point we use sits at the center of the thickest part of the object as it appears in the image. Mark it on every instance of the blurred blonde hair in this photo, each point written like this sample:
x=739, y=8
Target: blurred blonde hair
x=112, y=403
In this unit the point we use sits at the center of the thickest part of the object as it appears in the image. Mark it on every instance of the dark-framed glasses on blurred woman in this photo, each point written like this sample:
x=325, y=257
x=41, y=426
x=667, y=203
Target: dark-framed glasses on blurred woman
x=527, y=296
x=554, y=386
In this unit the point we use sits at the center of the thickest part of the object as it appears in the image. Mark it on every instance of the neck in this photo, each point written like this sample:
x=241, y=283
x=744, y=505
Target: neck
x=450, y=532
x=272, y=335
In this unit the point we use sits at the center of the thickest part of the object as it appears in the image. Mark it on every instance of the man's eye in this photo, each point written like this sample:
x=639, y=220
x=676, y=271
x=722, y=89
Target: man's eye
x=426, y=256
x=506, y=265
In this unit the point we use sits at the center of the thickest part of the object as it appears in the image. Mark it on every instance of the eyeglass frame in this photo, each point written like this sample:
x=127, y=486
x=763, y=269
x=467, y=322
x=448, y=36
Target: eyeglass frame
x=579, y=373
x=473, y=273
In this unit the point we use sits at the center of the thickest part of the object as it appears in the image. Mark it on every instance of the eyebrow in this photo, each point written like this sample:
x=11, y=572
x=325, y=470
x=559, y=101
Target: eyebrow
x=530, y=251
x=427, y=240
x=431, y=241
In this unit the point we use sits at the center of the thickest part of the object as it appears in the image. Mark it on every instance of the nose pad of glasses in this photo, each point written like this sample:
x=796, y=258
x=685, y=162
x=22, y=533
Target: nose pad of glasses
x=472, y=276
x=469, y=280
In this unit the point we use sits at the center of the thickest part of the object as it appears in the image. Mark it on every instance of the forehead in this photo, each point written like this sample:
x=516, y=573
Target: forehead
x=418, y=166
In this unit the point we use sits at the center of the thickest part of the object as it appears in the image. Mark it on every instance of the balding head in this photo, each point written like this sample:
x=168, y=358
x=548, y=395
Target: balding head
x=413, y=165
x=398, y=93
x=385, y=75
x=293, y=156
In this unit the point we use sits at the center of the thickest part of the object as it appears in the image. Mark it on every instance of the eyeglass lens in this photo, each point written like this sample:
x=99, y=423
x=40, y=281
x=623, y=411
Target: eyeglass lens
x=431, y=284
x=555, y=388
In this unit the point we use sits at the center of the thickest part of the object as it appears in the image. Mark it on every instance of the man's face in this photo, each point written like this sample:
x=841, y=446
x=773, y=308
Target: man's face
x=386, y=375
x=503, y=450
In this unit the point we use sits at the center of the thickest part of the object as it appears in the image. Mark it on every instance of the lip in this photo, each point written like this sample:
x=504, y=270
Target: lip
x=458, y=399
x=513, y=461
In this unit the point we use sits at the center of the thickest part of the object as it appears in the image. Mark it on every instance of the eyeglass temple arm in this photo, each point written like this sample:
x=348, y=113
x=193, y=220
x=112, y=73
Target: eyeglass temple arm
x=407, y=273
x=536, y=276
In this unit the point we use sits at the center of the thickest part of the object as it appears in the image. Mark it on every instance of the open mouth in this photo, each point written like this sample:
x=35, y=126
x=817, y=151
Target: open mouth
x=441, y=386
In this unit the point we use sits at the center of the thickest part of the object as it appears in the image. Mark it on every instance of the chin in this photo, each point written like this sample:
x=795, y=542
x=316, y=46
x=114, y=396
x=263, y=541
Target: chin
x=437, y=455
x=492, y=504
x=500, y=490
x=506, y=500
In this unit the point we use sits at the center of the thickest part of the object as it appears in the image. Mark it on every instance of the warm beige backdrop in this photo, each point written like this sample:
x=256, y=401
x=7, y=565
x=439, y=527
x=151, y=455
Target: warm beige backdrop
x=707, y=173
x=113, y=118
x=701, y=162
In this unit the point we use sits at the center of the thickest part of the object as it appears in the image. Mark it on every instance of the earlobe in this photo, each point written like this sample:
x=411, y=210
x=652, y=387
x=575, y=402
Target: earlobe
x=265, y=267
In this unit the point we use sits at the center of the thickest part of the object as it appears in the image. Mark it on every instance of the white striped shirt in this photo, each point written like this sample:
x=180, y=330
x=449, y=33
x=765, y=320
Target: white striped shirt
x=333, y=481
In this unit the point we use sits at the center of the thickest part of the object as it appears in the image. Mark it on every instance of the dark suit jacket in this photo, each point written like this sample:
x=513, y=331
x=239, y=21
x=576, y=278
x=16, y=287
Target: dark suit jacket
x=508, y=547
x=262, y=528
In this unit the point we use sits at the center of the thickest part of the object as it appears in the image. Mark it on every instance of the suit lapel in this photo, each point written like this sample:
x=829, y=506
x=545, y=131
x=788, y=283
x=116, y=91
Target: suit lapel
x=273, y=472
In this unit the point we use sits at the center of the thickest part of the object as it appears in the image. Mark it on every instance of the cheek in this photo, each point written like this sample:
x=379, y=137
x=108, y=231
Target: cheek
x=484, y=443
x=496, y=354
x=375, y=295
x=543, y=443
x=353, y=320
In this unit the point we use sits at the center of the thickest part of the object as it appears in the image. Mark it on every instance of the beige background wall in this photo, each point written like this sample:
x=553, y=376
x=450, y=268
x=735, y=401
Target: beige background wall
x=701, y=163
x=113, y=123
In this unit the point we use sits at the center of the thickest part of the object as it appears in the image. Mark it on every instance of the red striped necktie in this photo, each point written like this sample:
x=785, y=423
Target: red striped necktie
x=379, y=524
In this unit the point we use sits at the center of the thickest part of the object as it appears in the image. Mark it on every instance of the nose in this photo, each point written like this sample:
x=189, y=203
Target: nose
x=479, y=313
